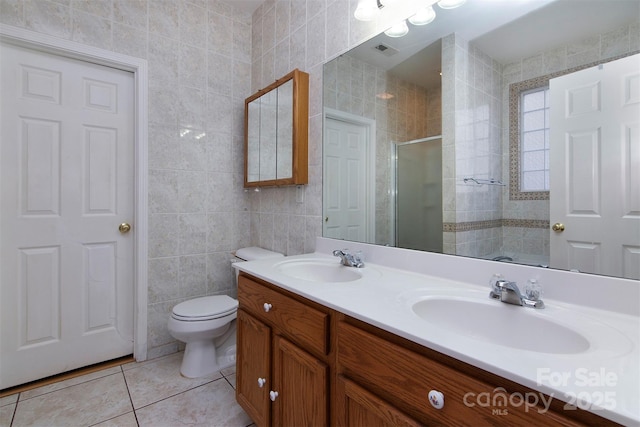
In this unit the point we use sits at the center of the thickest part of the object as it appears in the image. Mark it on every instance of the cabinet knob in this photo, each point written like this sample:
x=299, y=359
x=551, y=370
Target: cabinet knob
x=273, y=395
x=261, y=382
x=436, y=399
x=267, y=307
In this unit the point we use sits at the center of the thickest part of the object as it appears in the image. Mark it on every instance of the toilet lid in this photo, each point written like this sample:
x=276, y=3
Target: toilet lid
x=204, y=308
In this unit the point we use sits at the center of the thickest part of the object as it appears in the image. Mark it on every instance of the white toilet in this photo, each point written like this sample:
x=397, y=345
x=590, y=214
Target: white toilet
x=207, y=326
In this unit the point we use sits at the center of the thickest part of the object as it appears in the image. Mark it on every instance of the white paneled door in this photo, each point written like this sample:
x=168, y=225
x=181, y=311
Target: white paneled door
x=67, y=184
x=595, y=169
x=346, y=184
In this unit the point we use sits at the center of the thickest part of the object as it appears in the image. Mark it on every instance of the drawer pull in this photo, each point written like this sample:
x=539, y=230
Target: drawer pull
x=436, y=399
x=273, y=395
x=267, y=307
x=261, y=382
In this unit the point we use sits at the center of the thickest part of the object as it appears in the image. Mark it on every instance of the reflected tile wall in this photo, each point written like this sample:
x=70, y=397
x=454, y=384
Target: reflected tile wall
x=199, y=56
x=471, y=114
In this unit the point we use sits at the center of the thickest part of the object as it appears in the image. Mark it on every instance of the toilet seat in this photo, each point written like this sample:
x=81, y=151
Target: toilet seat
x=205, y=308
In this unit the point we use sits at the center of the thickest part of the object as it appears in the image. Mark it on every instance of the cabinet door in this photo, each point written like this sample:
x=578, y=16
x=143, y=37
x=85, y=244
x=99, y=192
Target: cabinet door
x=356, y=407
x=301, y=382
x=253, y=363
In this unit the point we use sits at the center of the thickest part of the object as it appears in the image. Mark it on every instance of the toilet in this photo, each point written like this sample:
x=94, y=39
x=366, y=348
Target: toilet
x=207, y=326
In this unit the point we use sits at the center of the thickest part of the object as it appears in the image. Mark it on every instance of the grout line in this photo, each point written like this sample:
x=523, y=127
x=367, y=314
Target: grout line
x=133, y=408
x=13, y=416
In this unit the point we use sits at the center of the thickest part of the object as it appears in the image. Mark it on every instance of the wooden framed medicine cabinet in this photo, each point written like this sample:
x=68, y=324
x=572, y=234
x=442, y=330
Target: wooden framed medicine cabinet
x=276, y=133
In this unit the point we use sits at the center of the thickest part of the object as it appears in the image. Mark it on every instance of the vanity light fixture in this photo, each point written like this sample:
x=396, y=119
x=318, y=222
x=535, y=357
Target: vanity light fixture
x=367, y=10
x=450, y=4
x=424, y=16
x=398, y=30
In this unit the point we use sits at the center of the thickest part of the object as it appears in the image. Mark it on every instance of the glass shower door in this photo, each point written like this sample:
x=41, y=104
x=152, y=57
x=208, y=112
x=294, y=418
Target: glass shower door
x=419, y=194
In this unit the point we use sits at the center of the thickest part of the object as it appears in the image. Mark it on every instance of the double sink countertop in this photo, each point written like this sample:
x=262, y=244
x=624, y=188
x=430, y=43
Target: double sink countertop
x=585, y=356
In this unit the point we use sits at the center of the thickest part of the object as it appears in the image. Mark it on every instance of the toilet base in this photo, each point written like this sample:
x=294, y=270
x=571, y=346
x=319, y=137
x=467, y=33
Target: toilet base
x=198, y=359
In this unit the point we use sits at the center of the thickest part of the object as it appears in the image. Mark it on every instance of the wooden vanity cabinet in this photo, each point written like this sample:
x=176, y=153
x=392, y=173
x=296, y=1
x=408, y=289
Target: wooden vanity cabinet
x=331, y=369
x=282, y=348
x=383, y=379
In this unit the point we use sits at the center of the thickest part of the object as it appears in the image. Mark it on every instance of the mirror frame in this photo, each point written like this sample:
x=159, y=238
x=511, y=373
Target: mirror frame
x=300, y=131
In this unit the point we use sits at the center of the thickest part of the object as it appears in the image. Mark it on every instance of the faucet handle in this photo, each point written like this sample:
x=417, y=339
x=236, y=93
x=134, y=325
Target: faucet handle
x=495, y=288
x=533, y=290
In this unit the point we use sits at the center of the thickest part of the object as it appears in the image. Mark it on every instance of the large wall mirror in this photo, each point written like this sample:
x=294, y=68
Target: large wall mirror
x=276, y=133
x=502, y=130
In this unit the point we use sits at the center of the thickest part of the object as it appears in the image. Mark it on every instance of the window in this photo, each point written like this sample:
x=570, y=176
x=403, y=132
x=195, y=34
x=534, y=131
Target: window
x=534, y=140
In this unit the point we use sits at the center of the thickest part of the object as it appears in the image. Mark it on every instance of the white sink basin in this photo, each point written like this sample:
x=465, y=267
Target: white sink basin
x=495, y=322
x=319, y=271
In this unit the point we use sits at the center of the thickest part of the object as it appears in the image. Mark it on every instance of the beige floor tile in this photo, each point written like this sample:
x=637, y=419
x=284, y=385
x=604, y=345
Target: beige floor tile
x=159, y=379
x=133, y=365
x=229, y=371
x=126, y=420
x=6, y=414
x=210, y=405
x=83, y=404
x=7, y=400
x=67, y=383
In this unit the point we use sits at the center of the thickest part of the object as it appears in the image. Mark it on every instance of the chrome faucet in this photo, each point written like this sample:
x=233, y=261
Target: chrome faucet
x=509, y=293
x=348, y=259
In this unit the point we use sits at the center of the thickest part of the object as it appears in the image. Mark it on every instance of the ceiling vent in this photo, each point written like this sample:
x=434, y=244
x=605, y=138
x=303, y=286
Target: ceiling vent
x=385, y=50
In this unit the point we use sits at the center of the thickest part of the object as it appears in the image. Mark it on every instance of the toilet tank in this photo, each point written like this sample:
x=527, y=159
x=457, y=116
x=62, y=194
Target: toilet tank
x=253, y=253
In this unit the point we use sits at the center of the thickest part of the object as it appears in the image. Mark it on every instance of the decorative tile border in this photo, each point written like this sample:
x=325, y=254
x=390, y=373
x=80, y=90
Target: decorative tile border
x=453, y=227
x=515, y=89
x=526, y=223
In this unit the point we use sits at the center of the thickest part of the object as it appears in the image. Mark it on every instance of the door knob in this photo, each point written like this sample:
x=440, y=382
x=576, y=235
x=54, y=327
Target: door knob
x=261, y=382
x=559, y=227
x=267, y=307
x=273, y=395
x=124, y=228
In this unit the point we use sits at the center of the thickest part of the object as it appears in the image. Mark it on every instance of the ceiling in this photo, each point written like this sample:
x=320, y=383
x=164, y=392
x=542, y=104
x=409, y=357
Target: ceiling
x=506, y=30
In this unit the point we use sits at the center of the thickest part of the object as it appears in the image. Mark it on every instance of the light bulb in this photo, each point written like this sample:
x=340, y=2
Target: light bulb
x=367, y=10
x=398, y=30
x=424, y=16
x=450, y=4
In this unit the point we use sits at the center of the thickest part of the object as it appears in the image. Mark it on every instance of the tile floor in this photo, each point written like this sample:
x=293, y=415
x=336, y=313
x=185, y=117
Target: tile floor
x=151, y=393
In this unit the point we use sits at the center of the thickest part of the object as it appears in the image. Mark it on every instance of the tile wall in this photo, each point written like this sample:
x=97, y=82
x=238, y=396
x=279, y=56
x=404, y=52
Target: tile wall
x=288, y=34
x=471, y=147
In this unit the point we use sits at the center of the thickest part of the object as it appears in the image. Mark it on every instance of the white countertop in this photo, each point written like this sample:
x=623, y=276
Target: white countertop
x=604, y=379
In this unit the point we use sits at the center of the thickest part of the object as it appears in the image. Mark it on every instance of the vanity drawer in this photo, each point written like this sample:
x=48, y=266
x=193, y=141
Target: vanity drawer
x=291, y=317
x=404, y=379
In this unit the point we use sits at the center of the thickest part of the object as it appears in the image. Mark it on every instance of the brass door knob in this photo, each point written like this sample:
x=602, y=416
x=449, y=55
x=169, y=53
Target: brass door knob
x=124, y=228
x=559, y=227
